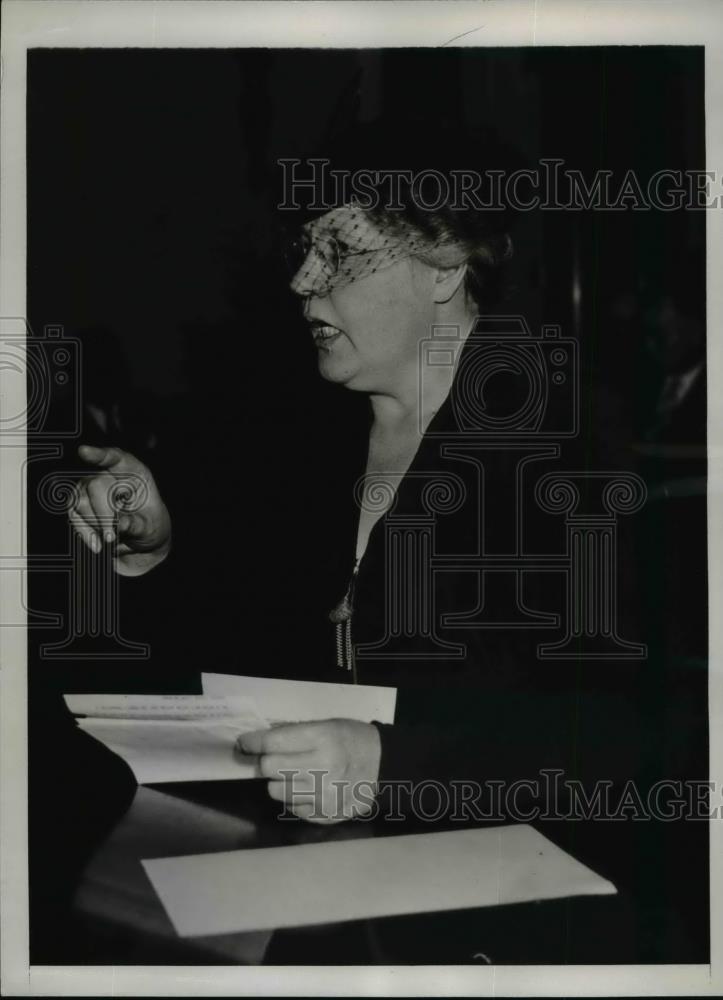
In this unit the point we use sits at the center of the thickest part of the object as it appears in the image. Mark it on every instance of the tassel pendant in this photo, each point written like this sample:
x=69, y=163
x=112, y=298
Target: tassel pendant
x=340, y=616
x=342, y=612
x=343, y=645
x=347, y=644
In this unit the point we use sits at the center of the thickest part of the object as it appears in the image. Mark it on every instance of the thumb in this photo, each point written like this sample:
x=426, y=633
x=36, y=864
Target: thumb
x=131, y=525
x=104, y=458
x=252, y=743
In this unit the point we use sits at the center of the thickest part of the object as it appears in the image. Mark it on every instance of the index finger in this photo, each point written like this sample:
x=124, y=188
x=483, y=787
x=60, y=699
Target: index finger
x=105, y=458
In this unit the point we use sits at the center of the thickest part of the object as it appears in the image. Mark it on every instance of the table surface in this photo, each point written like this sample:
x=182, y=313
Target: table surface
x=193, y=818
x=122, y=913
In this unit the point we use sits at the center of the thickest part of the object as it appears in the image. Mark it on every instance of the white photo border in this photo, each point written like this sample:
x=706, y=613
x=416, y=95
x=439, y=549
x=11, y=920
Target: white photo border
x=350, y=24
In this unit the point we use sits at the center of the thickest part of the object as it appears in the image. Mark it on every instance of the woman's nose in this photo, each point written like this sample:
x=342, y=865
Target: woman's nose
x=308, y=305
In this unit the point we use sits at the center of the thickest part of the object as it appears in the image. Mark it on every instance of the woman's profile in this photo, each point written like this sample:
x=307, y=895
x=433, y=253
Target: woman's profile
x=397, y=296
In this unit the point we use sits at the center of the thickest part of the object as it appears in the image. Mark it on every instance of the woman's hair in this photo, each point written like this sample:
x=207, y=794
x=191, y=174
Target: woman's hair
x=466, y=235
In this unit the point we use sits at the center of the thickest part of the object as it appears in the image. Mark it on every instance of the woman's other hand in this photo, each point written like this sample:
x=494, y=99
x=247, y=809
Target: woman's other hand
x=119, y=504
x=325, y=772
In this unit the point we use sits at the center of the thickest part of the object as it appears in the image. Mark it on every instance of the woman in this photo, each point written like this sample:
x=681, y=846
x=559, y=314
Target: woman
x=475, y=705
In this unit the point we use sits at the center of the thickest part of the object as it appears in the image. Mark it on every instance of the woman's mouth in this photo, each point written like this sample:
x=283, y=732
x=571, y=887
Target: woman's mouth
x=325, y=335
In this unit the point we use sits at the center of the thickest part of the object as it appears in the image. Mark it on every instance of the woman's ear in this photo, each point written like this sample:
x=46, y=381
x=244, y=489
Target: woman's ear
x=448, y=281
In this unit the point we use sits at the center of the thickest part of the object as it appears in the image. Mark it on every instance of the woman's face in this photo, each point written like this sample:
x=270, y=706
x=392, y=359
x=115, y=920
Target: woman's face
x=367, y=330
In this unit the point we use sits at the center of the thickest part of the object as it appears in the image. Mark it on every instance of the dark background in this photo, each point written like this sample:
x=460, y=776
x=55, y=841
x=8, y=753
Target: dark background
x=151, y=239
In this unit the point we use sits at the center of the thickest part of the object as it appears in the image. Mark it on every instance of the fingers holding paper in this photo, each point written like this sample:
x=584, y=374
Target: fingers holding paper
x=324, y=772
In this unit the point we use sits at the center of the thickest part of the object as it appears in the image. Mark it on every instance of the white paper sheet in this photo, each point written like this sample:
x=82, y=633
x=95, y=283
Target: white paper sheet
x=163, y=706
x=172, y=737
x=191, y=737
x=335, y=881
x=302, y=701
x=169, y=750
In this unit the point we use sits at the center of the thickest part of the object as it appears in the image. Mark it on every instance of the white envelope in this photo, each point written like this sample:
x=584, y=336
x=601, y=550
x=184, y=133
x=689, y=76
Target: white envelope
x=322, y=883
x=303, y=701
